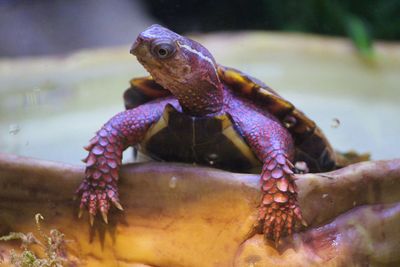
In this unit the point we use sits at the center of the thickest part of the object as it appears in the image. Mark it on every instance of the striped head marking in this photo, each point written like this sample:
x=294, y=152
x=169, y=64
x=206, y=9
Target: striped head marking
x=179, y=64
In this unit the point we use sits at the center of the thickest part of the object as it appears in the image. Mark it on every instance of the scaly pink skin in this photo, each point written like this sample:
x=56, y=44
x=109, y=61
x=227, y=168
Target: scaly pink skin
x=188, y=71
x=274, y=146
x=127, y=128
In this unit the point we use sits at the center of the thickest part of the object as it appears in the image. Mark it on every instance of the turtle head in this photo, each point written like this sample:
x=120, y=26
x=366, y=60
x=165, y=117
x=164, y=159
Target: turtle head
x=182, y=66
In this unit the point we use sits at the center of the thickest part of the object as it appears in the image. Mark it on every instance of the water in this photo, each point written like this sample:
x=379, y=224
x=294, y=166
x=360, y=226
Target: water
x=59, y=103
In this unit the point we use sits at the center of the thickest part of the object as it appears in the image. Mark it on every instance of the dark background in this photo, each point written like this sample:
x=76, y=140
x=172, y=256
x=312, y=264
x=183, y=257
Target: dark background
x=381, y=17
x=29, y=27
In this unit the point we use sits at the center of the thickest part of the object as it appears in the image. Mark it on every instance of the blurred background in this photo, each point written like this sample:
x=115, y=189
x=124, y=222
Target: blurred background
x=65, y=64
x=56, y=27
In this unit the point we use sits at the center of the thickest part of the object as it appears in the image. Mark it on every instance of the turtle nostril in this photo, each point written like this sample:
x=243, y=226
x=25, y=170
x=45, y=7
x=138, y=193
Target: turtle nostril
x=135, y=45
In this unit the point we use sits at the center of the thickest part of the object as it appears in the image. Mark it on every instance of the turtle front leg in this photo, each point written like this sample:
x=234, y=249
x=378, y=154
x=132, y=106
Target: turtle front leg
x=279, y=211
x=99, y=187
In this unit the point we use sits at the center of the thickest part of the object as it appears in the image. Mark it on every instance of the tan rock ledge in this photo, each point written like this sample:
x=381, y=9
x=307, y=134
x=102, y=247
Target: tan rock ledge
x=180, y=215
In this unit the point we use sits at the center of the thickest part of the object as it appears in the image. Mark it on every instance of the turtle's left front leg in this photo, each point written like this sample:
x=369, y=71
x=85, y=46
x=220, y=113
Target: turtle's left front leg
x=279, y=211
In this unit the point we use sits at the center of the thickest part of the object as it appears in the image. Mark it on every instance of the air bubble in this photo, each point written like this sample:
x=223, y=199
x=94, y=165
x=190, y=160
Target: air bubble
x=172, y=182
x=335, y=123
x=14, y=129
x=212, y=158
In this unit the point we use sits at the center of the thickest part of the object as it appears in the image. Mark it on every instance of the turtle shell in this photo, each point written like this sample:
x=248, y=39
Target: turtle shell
x=312, y=146
x=213, y=141
x=142, y=90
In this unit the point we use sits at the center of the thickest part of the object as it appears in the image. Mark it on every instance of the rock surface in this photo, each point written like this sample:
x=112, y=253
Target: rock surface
x=180, y=215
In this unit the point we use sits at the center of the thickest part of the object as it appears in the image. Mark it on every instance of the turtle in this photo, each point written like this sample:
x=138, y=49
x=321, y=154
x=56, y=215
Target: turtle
x=191, y=109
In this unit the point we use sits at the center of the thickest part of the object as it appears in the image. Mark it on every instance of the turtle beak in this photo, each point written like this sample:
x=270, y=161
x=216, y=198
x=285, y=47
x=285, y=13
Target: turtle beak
x=135, y=47
x=141, y=51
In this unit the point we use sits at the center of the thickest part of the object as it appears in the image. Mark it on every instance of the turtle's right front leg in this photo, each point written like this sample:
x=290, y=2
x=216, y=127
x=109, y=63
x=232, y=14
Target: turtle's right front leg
x=99, y=187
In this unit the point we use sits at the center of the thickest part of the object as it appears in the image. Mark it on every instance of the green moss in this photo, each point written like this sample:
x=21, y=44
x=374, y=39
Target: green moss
x=52, y=246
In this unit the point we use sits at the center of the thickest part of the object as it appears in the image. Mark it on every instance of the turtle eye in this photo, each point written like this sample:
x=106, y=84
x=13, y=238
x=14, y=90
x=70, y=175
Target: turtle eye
x=163, y=49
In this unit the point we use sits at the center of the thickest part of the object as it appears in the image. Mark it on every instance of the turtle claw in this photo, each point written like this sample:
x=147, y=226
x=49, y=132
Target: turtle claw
x=117, y=205
x=91, y=219
x=277, y=224
x=104, y=215
x=97, y=200
x=80, y=213
x=277, y=242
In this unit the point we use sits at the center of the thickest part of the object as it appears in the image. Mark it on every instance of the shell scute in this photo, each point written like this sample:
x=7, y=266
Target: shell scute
x=310, y=141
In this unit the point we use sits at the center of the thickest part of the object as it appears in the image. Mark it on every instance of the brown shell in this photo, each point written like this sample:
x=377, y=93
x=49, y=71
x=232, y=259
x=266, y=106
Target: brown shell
x=311, y=144
x=213, y=141
x=142, y=90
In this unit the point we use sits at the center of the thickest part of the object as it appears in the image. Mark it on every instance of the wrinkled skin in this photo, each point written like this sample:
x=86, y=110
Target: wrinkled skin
x=188, y=71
